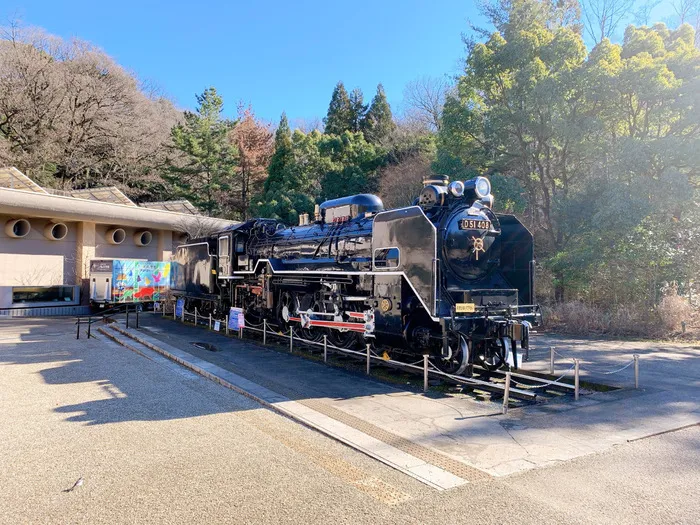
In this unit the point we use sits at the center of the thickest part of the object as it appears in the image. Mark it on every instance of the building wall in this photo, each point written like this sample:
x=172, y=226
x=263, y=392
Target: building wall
x=35, y=260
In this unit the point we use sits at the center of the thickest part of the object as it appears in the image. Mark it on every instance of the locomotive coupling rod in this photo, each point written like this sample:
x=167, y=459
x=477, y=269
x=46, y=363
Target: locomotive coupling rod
x=368, y=358
x=425, y=373
x=506, y=393
x=636, y=370
x=576, y=378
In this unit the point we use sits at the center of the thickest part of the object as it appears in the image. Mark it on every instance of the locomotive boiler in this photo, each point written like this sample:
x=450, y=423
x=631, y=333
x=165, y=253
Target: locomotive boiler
x=446, y=276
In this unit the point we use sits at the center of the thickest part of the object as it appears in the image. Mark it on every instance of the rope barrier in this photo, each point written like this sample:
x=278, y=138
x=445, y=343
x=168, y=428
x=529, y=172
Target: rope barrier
x=598, y=371
x=524, y=386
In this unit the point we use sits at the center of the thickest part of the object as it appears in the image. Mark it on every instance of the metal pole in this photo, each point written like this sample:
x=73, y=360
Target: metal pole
x=227, y=325
x=137, y=315
x=127, y=316
x=240, y=332
x=264, y=331
x=636, y=370
x=425, y=373
x=551, y=360
x=77, y=334
x=183, y=312
x=175, y=311
x=576, y=379
x=195, y=316
x=90, y=324
x=209, y=320
x=291, y=339
x=506, y=394
x=368, y=359
x=325, y=348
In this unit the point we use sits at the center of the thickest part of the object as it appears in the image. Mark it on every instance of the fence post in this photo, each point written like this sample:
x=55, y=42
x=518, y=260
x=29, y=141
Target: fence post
x=127, y=316
x=209, y=320
x=240, y=332
x=175, y=310
x=551, y=360
x=89, y=325
x=368, y=358
x=291, y=339
x=227, y=325
x=425, y=373
x=576, y=379
x=137, y=315
x=506, y=394
x=195, y=316
x=264, y=331
x=636, y=370
x=183, y=312
x=77, y=334
x=325, y=348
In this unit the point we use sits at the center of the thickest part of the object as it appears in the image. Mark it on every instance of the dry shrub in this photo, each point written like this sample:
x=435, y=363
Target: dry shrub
x=579, y=318
x=674, y=310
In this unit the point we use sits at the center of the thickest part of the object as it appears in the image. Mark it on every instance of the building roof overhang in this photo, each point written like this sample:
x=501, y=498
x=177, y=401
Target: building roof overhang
x=26, y=204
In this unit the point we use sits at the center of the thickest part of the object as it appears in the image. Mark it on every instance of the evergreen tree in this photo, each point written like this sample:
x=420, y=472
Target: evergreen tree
x=282, y=157
x=340, y=112
x=378, y=123
x=357, y=110
x=203, y=170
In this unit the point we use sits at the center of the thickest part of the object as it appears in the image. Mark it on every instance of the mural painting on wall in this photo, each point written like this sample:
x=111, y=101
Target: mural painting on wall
x=140, y=281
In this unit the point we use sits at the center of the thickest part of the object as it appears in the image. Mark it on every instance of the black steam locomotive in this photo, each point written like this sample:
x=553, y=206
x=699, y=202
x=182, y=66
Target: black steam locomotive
x=446, y=276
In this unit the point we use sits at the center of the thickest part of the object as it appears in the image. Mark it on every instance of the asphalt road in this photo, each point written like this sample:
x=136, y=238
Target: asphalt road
x=157, y=444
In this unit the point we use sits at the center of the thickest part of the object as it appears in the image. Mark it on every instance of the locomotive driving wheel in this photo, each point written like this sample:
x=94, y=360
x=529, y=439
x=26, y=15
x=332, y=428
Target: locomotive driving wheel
x=492, y=353
x=310, y=302
x=457, y=359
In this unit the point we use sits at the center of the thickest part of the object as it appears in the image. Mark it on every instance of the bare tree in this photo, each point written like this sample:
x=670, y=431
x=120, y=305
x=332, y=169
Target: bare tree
x=685, y=10
x=643, y=13
x=424, y=98
x=602, y=17
x=255, y=144
x=198, y=226
x=401, y=183
x=306, y=125
x=71, y=117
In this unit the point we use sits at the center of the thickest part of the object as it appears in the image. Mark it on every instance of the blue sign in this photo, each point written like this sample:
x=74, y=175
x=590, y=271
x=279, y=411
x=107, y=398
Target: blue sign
x=236, y=319
x=179, y=307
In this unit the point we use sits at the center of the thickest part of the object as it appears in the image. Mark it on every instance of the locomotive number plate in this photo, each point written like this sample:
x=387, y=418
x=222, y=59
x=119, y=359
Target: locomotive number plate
x=465, y=308
x=472, y=224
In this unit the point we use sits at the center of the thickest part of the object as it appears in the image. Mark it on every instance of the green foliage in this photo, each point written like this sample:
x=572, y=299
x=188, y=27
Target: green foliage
x=340, y=117
x=598, y=151
x=378, y=122
x=204, y=166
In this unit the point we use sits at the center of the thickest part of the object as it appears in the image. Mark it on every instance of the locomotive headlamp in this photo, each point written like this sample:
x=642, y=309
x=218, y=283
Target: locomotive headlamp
x=479, y=185
x=456, y=188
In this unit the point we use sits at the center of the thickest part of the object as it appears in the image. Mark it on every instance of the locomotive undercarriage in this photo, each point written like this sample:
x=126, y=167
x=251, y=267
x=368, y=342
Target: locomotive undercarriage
x=343, y=309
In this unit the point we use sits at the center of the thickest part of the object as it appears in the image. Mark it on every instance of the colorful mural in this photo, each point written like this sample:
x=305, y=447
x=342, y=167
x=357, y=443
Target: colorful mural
x=139, y=281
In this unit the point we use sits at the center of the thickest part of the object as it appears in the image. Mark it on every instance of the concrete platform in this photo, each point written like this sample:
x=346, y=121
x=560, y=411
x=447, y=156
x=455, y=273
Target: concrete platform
x=462, y=437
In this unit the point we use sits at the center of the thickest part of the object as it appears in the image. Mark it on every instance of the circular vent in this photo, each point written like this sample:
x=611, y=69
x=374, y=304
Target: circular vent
x=143, y=238
x=18, y=228
x=55, y=231
x=116, y=236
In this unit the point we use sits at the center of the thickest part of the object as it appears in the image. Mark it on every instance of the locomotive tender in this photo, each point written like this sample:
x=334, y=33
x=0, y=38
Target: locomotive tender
x=446, y=276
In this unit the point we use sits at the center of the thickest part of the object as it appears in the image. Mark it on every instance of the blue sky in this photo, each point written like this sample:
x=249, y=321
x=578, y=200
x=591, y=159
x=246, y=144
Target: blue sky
x=276, y=55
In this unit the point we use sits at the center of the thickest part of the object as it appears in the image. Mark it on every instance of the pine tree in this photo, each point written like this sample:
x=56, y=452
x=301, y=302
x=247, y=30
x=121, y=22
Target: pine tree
x=340, y=112
x=282, y=158
x=357, y=110
x=378, y=123
x=203, y=170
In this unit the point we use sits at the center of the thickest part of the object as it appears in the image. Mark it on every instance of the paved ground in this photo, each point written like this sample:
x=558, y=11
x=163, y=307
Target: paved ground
x=467, y=430
x=156, y=443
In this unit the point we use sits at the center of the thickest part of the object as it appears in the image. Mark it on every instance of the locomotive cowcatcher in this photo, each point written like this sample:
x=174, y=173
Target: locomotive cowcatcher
x=446, y=276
